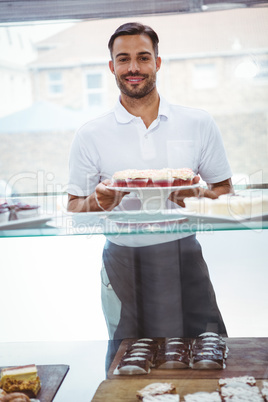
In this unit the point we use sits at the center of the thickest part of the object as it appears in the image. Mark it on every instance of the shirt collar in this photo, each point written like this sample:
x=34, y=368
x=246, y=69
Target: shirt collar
x=124, y=117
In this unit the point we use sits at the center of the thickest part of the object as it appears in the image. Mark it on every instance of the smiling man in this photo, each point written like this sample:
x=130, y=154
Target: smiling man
x=135, y=66
x=152, y=285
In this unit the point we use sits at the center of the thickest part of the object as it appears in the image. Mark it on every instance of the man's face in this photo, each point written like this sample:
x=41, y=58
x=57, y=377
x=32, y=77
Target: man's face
x=134, y=65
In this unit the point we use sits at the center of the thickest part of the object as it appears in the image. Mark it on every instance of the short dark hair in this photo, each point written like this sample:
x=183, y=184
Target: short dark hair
x=135, y=28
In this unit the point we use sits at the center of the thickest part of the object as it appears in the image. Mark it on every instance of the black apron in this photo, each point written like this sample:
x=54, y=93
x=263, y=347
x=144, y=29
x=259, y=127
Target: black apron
x=165, y=290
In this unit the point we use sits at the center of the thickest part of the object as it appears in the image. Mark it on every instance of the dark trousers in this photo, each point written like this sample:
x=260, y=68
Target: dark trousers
x=164, y=290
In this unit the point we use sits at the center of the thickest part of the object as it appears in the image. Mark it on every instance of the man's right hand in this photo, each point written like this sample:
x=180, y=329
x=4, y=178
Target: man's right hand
x=102, y=199
x=108, y=199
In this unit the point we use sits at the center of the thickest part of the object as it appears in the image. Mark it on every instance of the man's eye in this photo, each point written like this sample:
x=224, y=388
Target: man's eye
x=123, y=60
x=144, y=58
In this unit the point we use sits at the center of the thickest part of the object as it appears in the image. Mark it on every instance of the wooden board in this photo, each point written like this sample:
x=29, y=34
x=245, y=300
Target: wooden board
x=51, y=377
x=247, y=356
x=125, y=391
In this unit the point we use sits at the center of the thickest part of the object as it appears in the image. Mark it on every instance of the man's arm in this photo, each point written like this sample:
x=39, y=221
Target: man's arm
x=102, y=199
x=216, y=189
x=213, y=191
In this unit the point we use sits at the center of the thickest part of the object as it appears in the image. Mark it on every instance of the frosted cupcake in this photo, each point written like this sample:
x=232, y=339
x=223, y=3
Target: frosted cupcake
x=137, y=178
x=182, y=177
x=119, y=178
x=162, y=178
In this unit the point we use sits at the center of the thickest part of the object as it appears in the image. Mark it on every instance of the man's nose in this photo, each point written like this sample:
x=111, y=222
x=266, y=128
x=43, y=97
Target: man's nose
x=133, y=66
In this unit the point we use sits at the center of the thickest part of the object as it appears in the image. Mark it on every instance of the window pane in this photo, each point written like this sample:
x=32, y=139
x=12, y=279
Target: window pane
x=55, y=76
x=47, y=81
x=95, y=99
x=94, y=81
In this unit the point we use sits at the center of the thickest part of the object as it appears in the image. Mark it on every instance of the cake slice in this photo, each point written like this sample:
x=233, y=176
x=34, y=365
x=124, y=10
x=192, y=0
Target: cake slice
x=156, y=389
x=162, y=398
x=21, y=379
x=203, y=397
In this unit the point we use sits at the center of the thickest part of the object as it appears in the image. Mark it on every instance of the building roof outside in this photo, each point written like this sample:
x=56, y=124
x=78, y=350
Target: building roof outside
x=231, y=31
x=45, y=117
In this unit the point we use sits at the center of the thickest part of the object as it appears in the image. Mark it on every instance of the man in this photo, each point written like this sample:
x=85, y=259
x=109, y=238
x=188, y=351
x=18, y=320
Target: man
x=153, y=285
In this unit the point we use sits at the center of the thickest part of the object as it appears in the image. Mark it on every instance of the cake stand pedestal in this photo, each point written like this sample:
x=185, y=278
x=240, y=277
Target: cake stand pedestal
x=153, y=198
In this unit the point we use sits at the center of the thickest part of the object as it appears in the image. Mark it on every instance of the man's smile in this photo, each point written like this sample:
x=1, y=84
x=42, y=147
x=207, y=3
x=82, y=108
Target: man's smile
x=134, y=79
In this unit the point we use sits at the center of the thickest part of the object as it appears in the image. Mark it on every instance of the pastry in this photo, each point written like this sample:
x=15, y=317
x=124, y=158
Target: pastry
x=25, y=211
x=162, y=398
x=4, y=213
x=182, y=177
x=153, y=177
x=14, y=397
x=243, y=379
x=157, y=388
x=21, y=379
x=203, y=397
x=240, y=388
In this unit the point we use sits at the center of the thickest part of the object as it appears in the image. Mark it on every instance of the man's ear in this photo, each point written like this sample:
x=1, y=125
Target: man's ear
x=158, y=63
x=111, y=66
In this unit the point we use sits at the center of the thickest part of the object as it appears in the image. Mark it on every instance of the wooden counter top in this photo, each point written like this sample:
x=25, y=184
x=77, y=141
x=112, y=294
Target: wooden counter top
x=247, y=356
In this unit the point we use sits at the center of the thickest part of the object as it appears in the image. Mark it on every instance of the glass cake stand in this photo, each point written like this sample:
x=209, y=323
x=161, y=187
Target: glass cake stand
x=153, y=198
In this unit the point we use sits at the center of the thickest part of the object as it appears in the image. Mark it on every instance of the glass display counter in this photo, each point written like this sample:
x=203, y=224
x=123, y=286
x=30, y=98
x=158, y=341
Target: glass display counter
x=54, y=220
x=87, y=378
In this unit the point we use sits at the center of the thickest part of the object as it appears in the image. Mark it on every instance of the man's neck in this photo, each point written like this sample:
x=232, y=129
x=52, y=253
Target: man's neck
x=146, y=107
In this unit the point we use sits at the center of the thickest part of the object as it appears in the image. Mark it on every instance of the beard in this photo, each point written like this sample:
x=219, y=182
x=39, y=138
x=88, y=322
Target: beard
x=136, y=92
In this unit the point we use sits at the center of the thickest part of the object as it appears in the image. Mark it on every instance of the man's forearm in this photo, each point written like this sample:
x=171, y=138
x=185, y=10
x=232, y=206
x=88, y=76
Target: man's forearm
x=83, y=204
x=217, y=189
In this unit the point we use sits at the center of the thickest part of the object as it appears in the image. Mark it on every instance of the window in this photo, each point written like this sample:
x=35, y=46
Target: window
x=55, y=82
x=95, y=89
x=44, y=97
x=204, y=76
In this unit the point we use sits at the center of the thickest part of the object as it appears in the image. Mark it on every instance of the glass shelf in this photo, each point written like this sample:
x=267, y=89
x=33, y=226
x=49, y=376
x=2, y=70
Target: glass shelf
x=53, y=220
x=117, y=223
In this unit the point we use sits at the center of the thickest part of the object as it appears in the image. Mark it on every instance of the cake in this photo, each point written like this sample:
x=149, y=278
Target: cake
x=132, y=365
x=207, y=351
x=165, y=177
x=249, y=380
x=229, y=205
x=162, y=398
x=14, y=397
x=4, y=213
x=203, y=397
x=173, y=354
x=162, y=178
x=264, y=390
x=154, y=389
x=21, y=379
x=182, y=177
x=26, y=211
x=240, y=388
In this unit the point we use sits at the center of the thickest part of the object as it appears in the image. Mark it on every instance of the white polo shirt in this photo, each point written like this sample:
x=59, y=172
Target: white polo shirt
x=179, y=137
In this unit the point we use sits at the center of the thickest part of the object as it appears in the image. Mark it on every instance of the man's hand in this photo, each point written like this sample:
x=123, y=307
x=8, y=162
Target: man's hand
x=108, y=199
x=102, y=199
x=179, y=195
x=214, y=191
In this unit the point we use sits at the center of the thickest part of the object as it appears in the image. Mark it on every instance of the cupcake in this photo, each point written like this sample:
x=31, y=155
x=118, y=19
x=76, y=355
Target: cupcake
x=119, y=178
x=137, y=178
x=162, y=178
x=182, y=177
